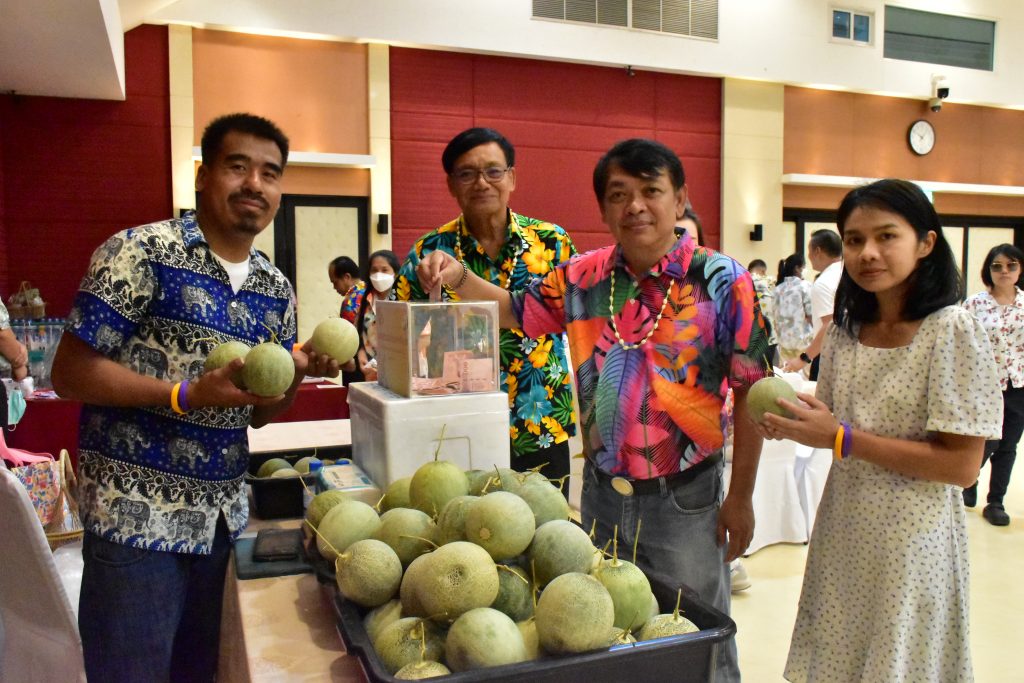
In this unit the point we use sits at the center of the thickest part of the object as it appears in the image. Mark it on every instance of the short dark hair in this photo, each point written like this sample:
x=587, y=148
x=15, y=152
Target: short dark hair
x=1009, y=251
x=828, y=241
x=640, y=158
x=474, y=137
x=936, y=281
x=343, y=265
x=757, y=263
x=788, y=266
x=250, y=124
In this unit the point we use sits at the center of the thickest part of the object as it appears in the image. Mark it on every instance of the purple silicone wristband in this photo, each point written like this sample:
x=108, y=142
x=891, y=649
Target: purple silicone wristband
x=847, y=439
x=183, y=400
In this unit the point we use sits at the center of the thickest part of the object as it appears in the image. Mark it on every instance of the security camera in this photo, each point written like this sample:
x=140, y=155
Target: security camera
x=942, y=93
x=935, y=104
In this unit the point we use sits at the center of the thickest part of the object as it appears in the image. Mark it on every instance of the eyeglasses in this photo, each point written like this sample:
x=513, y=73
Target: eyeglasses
x=1011, y=267
x=468, y=176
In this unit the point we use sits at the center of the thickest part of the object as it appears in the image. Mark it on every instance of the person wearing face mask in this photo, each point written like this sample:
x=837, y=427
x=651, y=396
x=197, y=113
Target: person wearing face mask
x=380, y=274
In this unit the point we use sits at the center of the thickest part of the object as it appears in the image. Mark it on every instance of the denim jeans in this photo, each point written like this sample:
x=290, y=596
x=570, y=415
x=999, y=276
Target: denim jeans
x=678, y=541
x=153, y=616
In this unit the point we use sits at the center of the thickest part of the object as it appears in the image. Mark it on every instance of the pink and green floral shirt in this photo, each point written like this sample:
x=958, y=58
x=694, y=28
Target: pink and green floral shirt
x=657, y=408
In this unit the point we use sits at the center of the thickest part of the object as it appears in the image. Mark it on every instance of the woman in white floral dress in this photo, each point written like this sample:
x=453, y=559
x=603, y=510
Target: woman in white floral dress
x=906, y=397
x=1000, y=310
x=792, y=309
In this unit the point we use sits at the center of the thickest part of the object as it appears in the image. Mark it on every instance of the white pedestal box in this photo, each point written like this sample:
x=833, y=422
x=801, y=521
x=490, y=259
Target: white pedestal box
x=392, y=435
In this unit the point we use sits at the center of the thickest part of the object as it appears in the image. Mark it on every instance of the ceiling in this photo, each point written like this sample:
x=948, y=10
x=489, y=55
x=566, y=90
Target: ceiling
x=67, y=48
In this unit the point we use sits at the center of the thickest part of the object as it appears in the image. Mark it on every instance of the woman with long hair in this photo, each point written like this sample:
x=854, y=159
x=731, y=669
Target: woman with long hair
x=793, y=324
x=906, y=396
x=1000, y=309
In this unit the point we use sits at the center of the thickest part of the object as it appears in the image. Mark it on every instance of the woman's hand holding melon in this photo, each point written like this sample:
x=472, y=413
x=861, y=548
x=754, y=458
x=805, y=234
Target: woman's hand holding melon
x=812, y=424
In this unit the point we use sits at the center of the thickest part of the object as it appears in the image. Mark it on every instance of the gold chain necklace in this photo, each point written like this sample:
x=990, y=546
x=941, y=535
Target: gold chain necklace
x=615, y=329
x=459, y=254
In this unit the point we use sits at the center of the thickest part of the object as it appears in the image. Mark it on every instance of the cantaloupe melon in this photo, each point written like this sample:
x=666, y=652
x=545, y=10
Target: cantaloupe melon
x=574, y=614
x=763, y=395
x=410, y=533
x=434, y=484
x=396, y=495
x=456, y=578
x=344, y=524
x=368, y=573
x=418, y=671
x=337, y=338
x=222, y=355
x=379, y=617
x=272, y=465
x=501, y=523
x=560, y=547
x=399, y=643
x=483, y=637
x=269, y=369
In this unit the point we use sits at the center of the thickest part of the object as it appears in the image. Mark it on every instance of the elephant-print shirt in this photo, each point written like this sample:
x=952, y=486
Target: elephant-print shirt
x=156, y=300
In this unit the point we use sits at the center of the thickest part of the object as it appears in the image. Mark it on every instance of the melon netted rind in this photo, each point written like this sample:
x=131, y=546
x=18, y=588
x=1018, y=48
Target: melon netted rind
x=418, y=671
x=337, y=338
x=302, y=464
x=272, y=465
x=575, y=613
x=501, y=523
x=344, y=524
x=483, y=637
x=762, y=396
x=410, y=533
x=528, y=629
x=560, y=547
x=630, y=591
x=434, y=484
x=410, y=601
x=545, y=499
x=396, y=495
x=515, y=593
x=456, y=578
x=368, y=573
x=379, y=617
x=451, y=523
x=269, y=369
x=664, y=625
x=398, y=643
x=222, y=355
x=321, y=503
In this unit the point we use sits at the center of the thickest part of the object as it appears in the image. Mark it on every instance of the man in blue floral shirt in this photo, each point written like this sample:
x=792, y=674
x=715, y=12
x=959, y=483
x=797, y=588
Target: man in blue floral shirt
x=163, y=445
x=508, y=250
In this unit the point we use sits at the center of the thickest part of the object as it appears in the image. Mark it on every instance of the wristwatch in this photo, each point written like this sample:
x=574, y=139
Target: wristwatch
x=805, y=358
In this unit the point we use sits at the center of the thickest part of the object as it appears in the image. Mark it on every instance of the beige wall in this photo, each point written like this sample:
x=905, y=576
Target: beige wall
x=752, y=157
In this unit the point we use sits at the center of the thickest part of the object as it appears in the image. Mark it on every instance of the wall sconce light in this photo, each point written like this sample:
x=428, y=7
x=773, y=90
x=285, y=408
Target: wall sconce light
x=382, y=224
x=757, y=234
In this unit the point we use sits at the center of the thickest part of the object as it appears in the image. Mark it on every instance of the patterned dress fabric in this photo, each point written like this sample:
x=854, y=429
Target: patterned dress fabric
x=885, y=593
x=368, y=327
x=156, y=300
x=5, y=317
x=352, y=301
x=1005, y=326
x=764, y=287
x=534, y=371
x=792, y=314
x=656, y=409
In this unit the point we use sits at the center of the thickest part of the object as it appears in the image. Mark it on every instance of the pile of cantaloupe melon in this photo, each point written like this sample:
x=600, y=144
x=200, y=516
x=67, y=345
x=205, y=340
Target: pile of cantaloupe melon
x=452, y=568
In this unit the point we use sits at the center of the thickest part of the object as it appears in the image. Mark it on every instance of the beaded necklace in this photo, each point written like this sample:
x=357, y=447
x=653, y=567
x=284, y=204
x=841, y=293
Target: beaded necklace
x=460, y=255
x=615, y=329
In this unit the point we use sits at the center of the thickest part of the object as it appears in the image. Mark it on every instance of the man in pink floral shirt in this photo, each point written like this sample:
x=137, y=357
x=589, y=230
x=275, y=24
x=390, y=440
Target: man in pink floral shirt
x=659, y=329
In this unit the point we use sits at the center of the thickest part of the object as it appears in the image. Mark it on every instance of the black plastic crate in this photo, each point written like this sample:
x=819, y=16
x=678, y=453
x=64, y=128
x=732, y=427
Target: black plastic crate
x=278, y=498
x=688, y=658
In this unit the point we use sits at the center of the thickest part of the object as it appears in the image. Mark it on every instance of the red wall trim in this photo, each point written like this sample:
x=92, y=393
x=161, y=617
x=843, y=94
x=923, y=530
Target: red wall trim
x=76, y=171
x=560, y=117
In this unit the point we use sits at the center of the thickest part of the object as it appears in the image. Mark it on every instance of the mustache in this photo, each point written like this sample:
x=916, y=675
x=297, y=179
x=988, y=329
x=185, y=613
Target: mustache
x=251, y=196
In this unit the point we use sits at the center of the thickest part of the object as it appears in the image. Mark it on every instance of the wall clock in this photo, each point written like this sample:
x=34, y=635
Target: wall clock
x=921, y=137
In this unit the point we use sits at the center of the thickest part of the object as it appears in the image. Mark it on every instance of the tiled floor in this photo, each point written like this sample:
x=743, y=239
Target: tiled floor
x=765, y=612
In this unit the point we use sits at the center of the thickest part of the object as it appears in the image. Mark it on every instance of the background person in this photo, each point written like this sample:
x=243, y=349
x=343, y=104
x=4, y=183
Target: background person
x=344, y=275
x=1001, y=311
x=793, y=312
x=764, y=286
x=662, y=327
x=163, y=447
x=13, y=351
x=508, y=250
x=906, y=397
x=380, y=273
x=826, y=256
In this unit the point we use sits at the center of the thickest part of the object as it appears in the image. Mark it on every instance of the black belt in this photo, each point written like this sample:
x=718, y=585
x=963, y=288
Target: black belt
x=632, y=487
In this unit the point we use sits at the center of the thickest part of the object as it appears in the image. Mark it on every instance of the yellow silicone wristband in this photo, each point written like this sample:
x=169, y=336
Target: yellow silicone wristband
x=837, y=447
x=175, y=406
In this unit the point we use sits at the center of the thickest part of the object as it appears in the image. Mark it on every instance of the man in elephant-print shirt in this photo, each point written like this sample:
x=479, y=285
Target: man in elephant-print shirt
x=156, y=299
x=162, y=461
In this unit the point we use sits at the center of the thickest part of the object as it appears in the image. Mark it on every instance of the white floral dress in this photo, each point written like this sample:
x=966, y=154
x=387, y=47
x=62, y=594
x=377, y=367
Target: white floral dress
x=885, y=593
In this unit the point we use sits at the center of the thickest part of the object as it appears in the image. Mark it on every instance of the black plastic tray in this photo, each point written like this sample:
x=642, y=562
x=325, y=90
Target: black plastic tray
x=278, y=498
x=688, y=658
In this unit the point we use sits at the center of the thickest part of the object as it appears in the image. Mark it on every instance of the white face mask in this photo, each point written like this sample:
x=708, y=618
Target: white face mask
x=382, y=281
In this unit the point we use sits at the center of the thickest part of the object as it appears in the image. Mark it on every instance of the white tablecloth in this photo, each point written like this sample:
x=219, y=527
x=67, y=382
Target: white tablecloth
x=790, y=480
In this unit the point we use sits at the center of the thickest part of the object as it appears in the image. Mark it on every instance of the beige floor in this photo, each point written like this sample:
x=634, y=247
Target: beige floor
x=765, y=612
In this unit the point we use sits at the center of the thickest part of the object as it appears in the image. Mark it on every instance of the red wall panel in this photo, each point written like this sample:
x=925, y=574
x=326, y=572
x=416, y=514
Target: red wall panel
x=561, y=119
x=76, y=171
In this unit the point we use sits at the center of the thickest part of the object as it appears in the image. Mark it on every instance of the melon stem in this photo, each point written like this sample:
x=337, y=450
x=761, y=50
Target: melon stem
x=636, y=538
x=324, y=538
x=420, y=538
x=513, y=573
x=615, y=546
x=440, y=440
x=679, y=597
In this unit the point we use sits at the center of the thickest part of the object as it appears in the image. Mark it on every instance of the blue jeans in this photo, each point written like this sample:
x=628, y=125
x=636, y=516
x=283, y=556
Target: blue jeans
x=153, y=616
x=678, y=541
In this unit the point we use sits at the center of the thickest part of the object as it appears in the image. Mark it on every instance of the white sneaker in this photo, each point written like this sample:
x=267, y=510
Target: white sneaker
x=738, y=577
